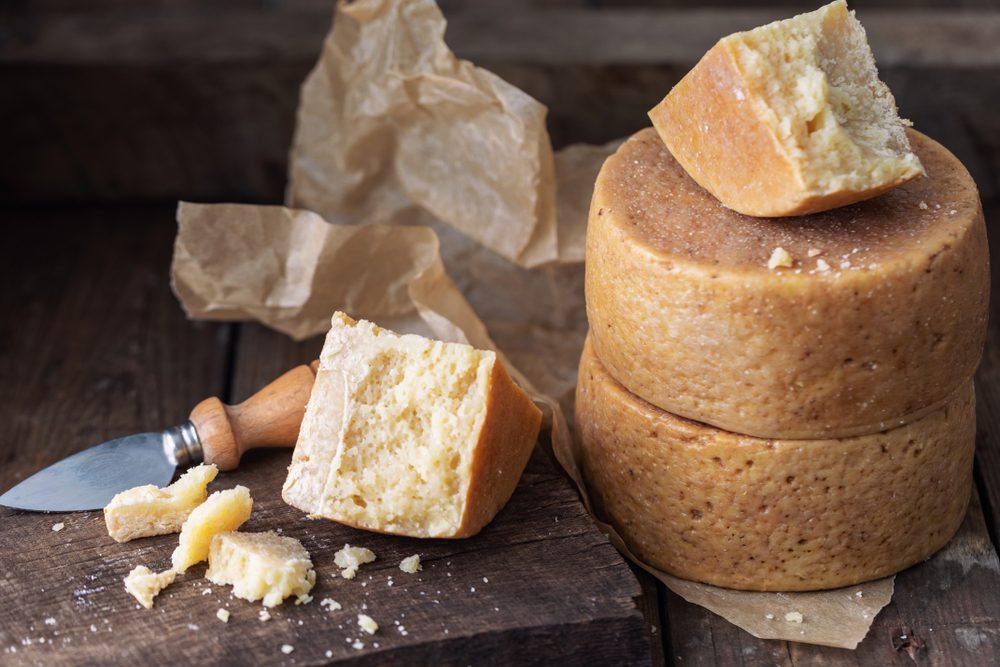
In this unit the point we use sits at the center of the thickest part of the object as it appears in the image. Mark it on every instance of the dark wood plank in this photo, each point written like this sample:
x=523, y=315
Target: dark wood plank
x=988, y=396
x=92, y=343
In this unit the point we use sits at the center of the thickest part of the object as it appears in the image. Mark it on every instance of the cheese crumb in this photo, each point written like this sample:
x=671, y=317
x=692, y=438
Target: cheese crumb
x=222, y=615
x=769, y=617
x=207, y=591
x=349, y=559
x=264, y=615
x=821, y=265
x=859, y=594
x=329, y=654
x=144, y=584
x=261, y=566
x=56, y=527
x=793, y=617
x=358, y=645
x=330, y=604
x=223, y=511
x=779, y=258
x=147, y=510
x=367, y=623
x=923, y=206
x=287, y=648
x=813, y=252
x=411, y=564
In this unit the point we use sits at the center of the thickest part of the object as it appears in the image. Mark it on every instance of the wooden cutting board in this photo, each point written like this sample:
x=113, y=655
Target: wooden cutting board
x=101, y=349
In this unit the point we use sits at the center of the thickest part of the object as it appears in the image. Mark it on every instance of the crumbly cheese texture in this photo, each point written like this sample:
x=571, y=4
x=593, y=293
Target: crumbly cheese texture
x=261, y=566
x=789, y=118
x=147, y=510
x=411, y=564
x=349, y=559
x=408, y=435
x=223, y=511
x=144, y=584
x=880, y=317
x=783, y=515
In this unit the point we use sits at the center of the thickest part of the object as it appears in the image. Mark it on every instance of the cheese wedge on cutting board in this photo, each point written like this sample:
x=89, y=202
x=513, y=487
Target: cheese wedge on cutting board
x=408, y=435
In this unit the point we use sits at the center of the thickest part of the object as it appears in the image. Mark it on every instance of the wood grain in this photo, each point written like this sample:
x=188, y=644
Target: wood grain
x=92, y=343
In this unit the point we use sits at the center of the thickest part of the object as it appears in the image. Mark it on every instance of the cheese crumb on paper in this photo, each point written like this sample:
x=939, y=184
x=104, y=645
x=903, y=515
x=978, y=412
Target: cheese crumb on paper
x=793, y=617
x=56, y=527
x=222, y=615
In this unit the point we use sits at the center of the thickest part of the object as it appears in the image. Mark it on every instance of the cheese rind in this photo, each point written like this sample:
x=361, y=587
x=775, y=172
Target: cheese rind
x=222, y=512
x=261, y=566
x=147, y=510
x=784, y=515
x=144, y=584
x=408, y=435
x=685, y=312
x=789, y=118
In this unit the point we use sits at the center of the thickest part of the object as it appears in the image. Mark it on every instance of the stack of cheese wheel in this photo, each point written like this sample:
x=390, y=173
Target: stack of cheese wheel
x=793, y=427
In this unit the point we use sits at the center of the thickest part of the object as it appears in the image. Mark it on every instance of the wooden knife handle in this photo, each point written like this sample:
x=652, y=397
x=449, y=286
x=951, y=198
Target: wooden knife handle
x=269, y=418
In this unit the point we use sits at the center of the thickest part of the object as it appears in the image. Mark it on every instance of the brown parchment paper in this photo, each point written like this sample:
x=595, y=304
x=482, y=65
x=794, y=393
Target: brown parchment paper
x=424, y=195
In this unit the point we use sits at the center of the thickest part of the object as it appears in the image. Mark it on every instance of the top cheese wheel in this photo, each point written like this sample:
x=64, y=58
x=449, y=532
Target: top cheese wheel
x=879, y=317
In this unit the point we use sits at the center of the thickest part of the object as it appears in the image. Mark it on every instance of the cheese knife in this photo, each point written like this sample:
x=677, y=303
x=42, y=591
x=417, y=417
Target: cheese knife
x=214, y=433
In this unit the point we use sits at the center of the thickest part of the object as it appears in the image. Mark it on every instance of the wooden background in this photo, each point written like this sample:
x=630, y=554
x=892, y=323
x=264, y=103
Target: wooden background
x=111, y=110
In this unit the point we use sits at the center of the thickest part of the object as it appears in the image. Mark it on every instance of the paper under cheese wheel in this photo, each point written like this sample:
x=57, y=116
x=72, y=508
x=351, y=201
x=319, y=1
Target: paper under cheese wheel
x=881, y=316
x=742, y=512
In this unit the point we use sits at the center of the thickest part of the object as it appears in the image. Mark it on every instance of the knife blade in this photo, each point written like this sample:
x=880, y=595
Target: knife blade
x=214, y=433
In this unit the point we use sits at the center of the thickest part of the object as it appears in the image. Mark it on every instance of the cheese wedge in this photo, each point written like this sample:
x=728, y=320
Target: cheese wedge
x=782, y=515
x=408, y=435
x=261, y=566
x=223, y=511
x=147, y=510
x=879, y=317
x=788, y=119
x=144, y=584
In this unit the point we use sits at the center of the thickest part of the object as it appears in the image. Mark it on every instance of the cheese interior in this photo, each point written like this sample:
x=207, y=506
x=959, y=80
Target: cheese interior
x=147, y=510
x=390, y=431
x=223, y=511
x=144, y=584
x=815, y=82
x=261, y=566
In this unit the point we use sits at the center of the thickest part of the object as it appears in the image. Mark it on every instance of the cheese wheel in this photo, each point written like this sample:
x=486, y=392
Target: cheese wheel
x=879, y=317
x=749, y=513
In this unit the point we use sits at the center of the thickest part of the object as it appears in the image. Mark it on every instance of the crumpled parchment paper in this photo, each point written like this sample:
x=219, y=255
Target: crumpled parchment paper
x=424, y=195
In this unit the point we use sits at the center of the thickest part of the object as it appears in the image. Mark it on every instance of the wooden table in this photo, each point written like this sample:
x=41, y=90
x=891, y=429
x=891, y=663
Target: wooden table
x=163, y=105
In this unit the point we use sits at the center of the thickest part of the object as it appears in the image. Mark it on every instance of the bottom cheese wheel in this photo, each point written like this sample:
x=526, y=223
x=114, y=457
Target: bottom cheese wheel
x=756, y=514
